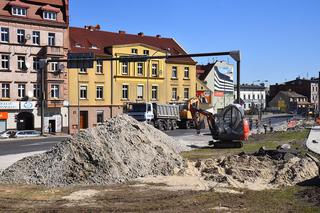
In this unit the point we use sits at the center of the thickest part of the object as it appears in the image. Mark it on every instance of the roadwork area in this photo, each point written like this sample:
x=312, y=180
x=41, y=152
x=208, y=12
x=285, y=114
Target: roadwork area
x=125, y=160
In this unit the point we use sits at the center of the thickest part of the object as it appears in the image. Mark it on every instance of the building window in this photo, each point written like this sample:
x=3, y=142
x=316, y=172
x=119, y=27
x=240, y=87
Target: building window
x=186, y=93
x=134, y=51
x=174, y=93
x=249, y=97
x=55, y=91
x=5, y=90
x=5, y=62
x=54, y=65
x=36, y=64
x=145, y=52
x=99, y=92
x=154, y=93
x=124, y=68
x=258, y=97
x=174, y=72
x=186, y=72
x=83, y=92
x=244, y=96
x=100, y=116
x=4, y=34
x=19, y=11
x=36, y=37
x=140, y=92
x=125, y=91
x=22, y=62
x=154, y=69
x=49, y=15
x=253, y=96
x=100, y=67
x=36, y=90
x=52, y=39
x=140, y=69
x=83, y=70
x=21, y=90
x=21, y=36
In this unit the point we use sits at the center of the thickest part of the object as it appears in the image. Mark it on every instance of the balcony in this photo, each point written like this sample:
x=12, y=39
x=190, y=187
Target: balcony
x=55, y=51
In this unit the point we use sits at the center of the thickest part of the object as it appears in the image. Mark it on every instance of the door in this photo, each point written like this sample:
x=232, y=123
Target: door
x=52, y=126
x=83, y=119
x=25, y=121
x=2, y=125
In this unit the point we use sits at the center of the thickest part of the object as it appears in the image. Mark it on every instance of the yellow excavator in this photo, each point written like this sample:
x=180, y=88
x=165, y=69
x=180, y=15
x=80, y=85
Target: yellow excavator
x=186, y=119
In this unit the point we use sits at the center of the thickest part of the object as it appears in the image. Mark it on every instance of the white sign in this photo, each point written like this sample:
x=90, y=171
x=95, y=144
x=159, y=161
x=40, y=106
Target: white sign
x=9, y=105
x=28, y=104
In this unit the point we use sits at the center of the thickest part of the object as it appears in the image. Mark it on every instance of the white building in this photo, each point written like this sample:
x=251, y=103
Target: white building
x=253, y=96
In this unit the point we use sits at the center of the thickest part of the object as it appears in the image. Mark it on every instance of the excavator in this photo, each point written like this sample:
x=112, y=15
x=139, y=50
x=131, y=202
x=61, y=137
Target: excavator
x=228, y=128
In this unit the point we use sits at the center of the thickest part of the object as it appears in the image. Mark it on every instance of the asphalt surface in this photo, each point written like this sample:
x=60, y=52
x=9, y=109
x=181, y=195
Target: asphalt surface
x=28, y=145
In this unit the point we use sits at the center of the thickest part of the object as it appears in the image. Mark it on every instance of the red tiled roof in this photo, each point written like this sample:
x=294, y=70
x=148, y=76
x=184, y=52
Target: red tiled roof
x=51, y=2
x=103, y=39
x=18, y=3
x=50, y=8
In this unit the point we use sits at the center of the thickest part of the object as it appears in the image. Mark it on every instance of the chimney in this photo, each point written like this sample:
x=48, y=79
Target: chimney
x=122, y=32
x=158, y=36
x=97, y=27
x=141, y=34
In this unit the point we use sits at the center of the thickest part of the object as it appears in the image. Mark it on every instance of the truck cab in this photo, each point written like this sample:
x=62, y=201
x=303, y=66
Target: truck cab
x=140, y=111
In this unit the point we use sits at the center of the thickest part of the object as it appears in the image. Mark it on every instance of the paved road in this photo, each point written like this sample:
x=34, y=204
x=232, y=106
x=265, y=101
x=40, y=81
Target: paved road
x=28, y=145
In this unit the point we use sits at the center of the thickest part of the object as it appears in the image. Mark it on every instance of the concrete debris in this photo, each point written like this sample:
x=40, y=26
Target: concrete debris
x=257, y=172
x=117, y=151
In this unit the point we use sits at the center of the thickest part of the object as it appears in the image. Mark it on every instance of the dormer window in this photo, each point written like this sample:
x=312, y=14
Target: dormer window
x=78, y=46
x=19, y=11
x=49, y=15
x=94, y=47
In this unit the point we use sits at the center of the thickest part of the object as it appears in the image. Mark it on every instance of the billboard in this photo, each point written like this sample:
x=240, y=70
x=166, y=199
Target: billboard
x=204, y=96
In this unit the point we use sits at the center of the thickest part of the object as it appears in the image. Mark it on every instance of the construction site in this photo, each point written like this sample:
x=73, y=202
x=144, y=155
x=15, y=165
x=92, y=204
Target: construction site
x=127, y=165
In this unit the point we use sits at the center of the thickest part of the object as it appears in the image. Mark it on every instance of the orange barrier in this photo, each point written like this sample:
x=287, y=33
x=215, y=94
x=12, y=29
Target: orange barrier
x=246, y=130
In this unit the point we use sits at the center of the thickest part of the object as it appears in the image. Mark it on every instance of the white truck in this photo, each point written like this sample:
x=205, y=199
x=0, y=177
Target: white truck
x=161, y=116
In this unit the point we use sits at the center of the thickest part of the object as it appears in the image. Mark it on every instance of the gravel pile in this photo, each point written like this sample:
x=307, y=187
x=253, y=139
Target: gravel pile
x=259, y=172
x=119, y=150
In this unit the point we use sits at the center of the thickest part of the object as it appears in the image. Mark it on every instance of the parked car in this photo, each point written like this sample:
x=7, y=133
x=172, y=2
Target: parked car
x=7, y=134
x=27, y=133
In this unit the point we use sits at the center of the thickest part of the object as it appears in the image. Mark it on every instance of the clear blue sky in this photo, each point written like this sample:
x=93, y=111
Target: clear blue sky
x=279, y=39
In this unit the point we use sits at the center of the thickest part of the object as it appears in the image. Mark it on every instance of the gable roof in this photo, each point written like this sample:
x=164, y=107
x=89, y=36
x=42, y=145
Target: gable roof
x=104, y=39
x=292, y=94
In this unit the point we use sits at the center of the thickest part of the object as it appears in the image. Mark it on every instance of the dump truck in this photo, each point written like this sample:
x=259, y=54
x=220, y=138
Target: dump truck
x=161, y=116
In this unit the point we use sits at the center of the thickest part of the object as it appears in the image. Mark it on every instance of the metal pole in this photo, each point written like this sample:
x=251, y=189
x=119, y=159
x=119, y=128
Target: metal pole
x=319, y=95
x=111, y=69
x=43, y=92
x=78, y=93
x=238, y=81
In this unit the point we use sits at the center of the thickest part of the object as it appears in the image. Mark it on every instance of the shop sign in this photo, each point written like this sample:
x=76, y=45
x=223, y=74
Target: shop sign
x=3, y=115
x=28, y=104
x=218, y=94
x=9, y=105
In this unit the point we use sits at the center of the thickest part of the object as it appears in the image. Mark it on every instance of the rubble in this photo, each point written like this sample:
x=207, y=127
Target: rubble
x=117, y=151
x=257, y=172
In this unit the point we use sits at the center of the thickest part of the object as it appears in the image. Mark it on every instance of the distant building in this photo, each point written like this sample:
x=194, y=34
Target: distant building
x=306, y=87
x=253, y=97
x=30, y=31
x=218, y=77
x=291, y=102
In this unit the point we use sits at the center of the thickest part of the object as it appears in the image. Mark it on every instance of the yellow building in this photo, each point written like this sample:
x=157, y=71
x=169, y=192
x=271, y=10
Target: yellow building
x=101, y=92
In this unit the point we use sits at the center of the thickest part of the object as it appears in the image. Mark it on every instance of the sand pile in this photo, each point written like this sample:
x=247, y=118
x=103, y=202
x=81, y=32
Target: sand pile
x=257, y=172
x=117, y=151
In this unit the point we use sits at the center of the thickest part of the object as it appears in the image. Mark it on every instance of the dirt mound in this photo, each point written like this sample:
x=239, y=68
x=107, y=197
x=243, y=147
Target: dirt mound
x=257, y=172
x=311, y=195
x=117, y=151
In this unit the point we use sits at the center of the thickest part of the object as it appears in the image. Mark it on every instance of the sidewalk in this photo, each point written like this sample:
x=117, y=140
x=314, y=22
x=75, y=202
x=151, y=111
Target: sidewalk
x=34, y=138
x=314, y=136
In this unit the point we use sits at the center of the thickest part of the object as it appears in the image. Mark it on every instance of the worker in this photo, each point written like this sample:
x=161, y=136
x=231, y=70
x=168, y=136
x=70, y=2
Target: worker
x=250, y=123
x=265, y=126
x=270, y=126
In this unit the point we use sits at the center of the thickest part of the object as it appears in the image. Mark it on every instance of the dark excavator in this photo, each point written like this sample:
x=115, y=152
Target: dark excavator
x=228, y=128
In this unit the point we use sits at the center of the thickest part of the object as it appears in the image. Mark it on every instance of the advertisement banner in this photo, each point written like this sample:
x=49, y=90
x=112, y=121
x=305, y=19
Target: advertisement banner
x=28, y=104
x=3, y=115
x=7, y=105
x=204, y=96
x=218, y=94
